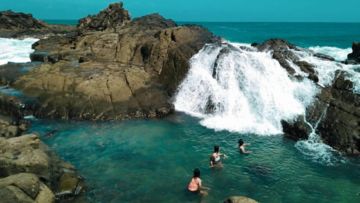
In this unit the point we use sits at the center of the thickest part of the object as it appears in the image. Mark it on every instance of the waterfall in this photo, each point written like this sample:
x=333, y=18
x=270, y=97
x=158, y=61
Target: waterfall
x=236, y=88
x=314, y=149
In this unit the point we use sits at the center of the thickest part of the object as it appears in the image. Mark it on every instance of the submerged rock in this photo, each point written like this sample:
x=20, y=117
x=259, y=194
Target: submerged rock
x=127, y=72
x=239, y=199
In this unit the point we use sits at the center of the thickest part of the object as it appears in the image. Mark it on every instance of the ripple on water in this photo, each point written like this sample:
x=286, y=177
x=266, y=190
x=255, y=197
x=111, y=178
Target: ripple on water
x=152, y=161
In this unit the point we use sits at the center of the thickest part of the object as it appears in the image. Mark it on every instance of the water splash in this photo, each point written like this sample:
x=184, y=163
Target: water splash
x=314, y=149
x=326, y=69
x=236, y=88
x=337, y=53
x=15, y=50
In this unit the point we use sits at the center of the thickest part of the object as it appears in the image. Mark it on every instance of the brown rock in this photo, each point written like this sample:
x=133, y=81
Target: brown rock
x=113, y=16
x=25, y=187
x=127, y=72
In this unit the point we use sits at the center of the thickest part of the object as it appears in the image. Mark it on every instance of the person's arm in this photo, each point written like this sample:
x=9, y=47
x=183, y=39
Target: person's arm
x=211, y=161
x=224, y=155
x=242, y=149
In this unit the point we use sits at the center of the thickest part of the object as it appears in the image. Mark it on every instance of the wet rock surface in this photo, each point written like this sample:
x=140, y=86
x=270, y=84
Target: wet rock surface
x=354, y=57
x=106, y=73
x=283, y=52
x=337, y=109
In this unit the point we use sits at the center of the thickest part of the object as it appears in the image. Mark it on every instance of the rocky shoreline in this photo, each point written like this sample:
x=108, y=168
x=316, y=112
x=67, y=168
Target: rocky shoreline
x=29, y=171
x=112, y=67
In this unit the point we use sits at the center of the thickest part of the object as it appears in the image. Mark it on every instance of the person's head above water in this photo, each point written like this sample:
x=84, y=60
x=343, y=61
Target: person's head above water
x=241, y=142
x=216, y=148
x=196, y=173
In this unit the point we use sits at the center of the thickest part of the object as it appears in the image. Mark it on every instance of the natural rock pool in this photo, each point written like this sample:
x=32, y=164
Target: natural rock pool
x=152, y=161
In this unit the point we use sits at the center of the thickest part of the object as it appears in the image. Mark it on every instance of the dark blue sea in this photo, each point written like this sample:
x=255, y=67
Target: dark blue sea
x=339, y=35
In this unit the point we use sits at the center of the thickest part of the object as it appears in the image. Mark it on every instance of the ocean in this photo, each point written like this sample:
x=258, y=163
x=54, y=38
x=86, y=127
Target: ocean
x=152, y=160
x=339, y=35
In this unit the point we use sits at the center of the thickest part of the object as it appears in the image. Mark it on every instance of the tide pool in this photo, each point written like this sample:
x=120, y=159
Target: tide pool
x=153, y=160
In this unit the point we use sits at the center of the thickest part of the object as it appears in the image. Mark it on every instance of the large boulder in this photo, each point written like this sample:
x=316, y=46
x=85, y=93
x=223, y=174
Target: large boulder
x=10, y=128
x=27, y=154
x=128, y=72
x=354, y=57
x=25, y=187
x=110, y=18
x=23, y=154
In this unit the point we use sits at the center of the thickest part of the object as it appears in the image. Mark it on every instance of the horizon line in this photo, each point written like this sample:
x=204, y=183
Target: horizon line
x=183, y=21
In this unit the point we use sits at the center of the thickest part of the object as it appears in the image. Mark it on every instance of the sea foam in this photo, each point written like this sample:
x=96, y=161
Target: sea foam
x=15, y=50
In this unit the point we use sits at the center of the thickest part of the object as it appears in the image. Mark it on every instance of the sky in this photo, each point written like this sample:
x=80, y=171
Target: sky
x=200, y=10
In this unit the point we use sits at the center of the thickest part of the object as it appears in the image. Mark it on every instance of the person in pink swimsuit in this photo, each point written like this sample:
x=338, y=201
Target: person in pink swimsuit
x=195, y=185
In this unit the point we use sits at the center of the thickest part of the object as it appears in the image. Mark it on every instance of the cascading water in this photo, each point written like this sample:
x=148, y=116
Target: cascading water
x=236, y=88
x=233, y=87
x=315, y=149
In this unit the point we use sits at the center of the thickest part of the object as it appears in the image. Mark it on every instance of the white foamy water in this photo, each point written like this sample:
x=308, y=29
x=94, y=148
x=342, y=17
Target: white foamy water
x=337, y=53
x=15, y=50
x=314, y=149
x=248, y=90
x=326, y=70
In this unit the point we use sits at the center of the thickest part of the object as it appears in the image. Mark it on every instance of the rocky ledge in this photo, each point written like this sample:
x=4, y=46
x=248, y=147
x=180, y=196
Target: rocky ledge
x=113, y=67
x=18, y=25
x=29, y=171
x=336, y=108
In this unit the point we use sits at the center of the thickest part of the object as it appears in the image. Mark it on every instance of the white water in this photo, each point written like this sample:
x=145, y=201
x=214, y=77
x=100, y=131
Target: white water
x=314, y=149
x=15, y=50
x=337, y=53
x=251, y=93
x=326, y=69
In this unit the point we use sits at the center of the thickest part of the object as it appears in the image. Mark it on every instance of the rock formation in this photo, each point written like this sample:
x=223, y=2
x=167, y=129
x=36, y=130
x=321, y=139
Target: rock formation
x=337, y=107
x=283, y=53
x=354, y=57
x=12, y=21
x=15, y=25
x=108, y=73
x=25, y=188
x=114, y=16
x=29, y=171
